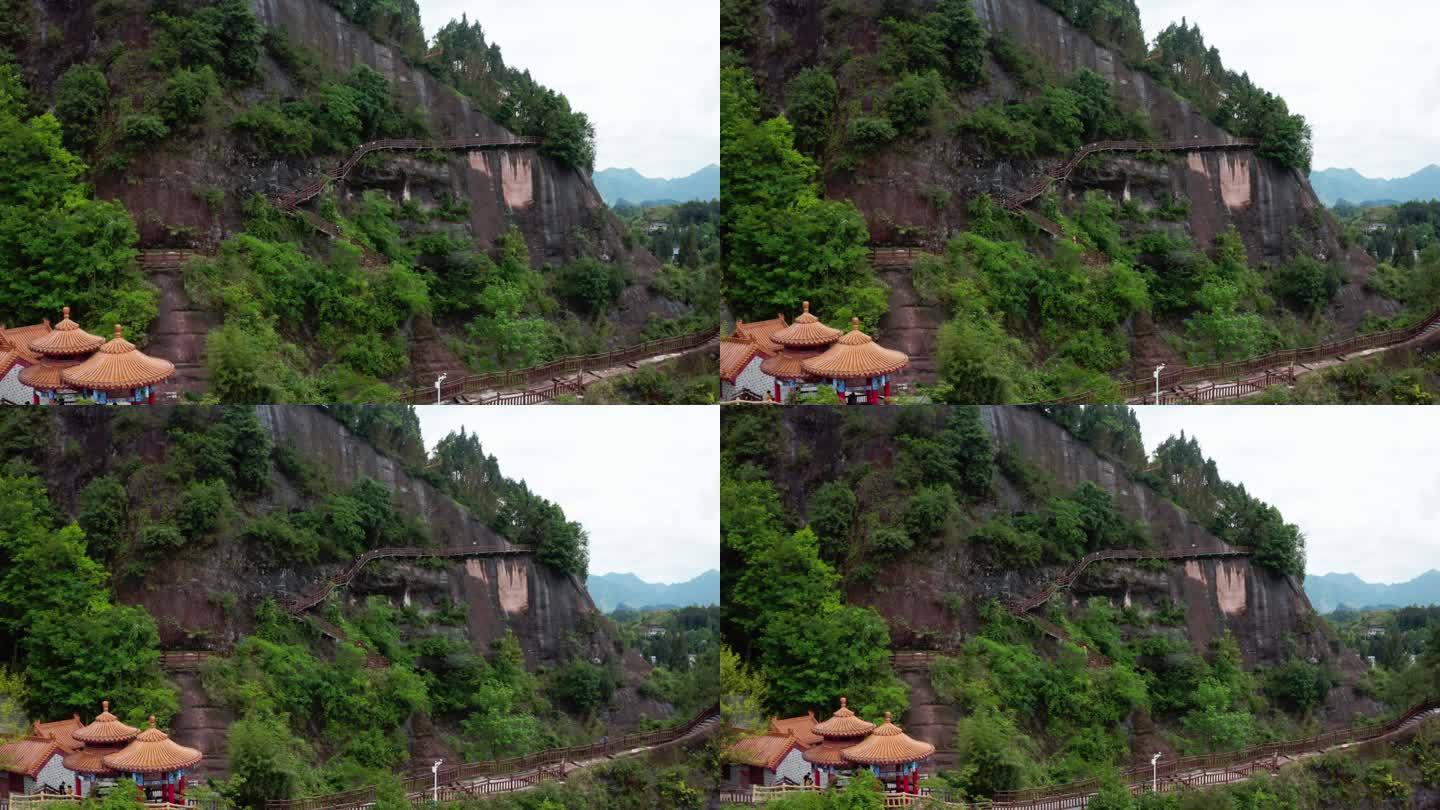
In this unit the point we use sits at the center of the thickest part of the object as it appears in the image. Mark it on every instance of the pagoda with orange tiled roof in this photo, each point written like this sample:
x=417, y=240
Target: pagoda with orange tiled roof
x=119, y=372
x=105, y=735
x=857, y=365
x=158, y=764
x=42, y=365
x=802, y=340
x=892, y=755
x=843, y=730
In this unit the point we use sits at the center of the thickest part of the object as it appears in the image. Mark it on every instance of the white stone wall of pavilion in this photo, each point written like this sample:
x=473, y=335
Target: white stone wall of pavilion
x=793, y=768
x=751, y=379
x=54, y=776
x=12, y=392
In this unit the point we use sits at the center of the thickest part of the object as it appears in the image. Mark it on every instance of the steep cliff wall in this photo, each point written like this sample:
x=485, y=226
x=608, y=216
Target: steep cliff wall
x=1264, y=200
x=204, y=598
x=932, y=598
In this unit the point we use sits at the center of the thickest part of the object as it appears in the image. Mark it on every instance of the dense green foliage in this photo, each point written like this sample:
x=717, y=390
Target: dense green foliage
x=783, y=608
x=60, y=246
x=784, y=244
x=81, y=96
x=57, y=611
x=333, y=117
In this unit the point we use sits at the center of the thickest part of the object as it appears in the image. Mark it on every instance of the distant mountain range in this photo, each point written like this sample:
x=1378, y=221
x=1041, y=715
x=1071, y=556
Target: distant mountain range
x=628, y=185
x=613, y=590
x=1334, y=185
x=1330, y=591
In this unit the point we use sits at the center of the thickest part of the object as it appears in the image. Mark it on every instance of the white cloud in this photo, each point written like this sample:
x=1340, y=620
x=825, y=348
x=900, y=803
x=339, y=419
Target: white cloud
x=1362, y=74
x=644, y=481
x=647, y=72
x=1361, y=482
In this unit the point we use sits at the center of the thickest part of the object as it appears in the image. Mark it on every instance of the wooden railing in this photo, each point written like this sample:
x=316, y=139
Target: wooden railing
x=1042, y=596
x=289, y=201
x=475, y=385
x=1142, y=388
x=1167, y=777
x=1017, y=200
x=423, y=781
x=317, y=594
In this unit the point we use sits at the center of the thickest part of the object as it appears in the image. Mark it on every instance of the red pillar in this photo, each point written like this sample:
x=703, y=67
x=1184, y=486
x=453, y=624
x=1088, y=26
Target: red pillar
x=77, y=784
x=887, y=389
x=872, y=396
x=777, y=390
x=841, y=395
x=152, y=396
x=182, y=788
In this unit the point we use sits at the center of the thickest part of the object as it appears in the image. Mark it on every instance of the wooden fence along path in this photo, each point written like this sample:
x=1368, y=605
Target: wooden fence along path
x=1018, y=200
x=480, y=388
x=462, y=782
x=289, y=201
x=1184, y=773
x=1217, y=381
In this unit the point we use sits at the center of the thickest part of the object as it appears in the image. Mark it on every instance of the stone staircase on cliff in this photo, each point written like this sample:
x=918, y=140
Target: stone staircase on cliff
x=180, y=328
x=909, y=325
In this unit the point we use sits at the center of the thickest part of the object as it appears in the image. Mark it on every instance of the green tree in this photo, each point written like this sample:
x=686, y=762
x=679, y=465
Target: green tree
x=185, y=96
x=81, y=96
x=103, y=509
x=810, y=101
x=77, y=658
x=912, y=100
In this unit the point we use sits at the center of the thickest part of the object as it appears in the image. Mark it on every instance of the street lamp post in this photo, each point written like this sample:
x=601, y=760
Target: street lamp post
x=435, y=769
x=1154, y=774
x=439, y=381
x=1156, y=375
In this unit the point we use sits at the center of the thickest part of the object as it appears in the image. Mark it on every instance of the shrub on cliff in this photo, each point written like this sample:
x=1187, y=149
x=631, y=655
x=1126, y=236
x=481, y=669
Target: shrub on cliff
x=185, y=96
x=592, y=284
x=810, y=100
x=224, y=35
x=81, y=96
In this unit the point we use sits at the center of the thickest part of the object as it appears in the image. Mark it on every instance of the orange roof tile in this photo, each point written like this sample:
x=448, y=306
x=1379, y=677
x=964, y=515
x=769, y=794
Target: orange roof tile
x=118, y=366
x=799, y=726
x=61, y=731
x=843, y=723
x=806, y=332
x=153, y=752
x=827, y=753
x=735, y=354
x=89, y=760
x=45, y=375
x=27, y=756
x=23, y=336
x=856, y=356
x=788, y=364
x=888, y=745
x=764, y=750
x=762, y=331
x=106, y=729
x=67, y=339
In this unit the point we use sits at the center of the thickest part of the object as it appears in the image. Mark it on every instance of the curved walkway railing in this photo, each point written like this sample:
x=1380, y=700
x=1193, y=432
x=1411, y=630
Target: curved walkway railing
x=1040, y=597
x=423, y=782
x=476, y=386
x=317, y=594
x=1142, y=388
x=1017, y=200
x=289, y=201
x=1168, y=777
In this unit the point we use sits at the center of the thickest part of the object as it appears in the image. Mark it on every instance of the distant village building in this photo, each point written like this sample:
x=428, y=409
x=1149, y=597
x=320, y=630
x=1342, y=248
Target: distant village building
x=830, y=750
x=44, y=365
x=811, y=354
x=66, y=757
x=741, y=355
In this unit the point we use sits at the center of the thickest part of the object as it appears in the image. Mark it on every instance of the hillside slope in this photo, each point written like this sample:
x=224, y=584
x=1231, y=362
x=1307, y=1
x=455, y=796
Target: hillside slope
x=904, y=507
x=446, y=209
x=214, y=594
x=915, y=174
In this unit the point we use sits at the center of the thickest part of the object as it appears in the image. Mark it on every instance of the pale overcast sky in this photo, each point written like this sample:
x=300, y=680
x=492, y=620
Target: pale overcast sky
x=644, y=481
x=647, y=72
x=1364, y=74
x=1361, y=482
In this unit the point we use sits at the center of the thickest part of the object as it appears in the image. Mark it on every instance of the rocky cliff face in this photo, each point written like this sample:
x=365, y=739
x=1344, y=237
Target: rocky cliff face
x=1274, y=208
x=556, y=207
x=205, y=599
x=931, y=599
